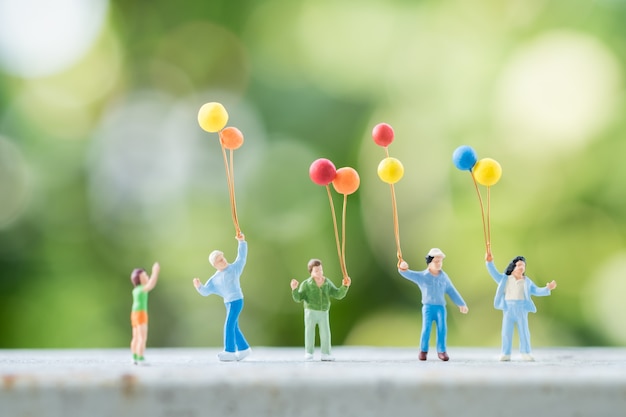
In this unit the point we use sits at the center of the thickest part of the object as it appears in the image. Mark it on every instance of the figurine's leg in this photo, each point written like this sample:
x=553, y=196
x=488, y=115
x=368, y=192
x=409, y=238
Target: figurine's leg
x=324, y=326
x=427, y=322
x=240, y=341
x=229, y=326
x=134, y=346
x=309, y=331
x=441, y=321
x=143, y=331
x=507, y=330
x=524, y=333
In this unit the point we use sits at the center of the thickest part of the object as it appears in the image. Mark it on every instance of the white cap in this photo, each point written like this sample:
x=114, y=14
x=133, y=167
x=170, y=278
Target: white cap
x=436, y=252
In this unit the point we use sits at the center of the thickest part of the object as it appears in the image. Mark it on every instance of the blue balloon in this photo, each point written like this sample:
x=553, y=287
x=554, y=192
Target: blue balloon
x=464, y=158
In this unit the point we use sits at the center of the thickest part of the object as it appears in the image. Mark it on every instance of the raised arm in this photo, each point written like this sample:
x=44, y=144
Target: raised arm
x=154, y=277
x=340, y=292
x=242, y=253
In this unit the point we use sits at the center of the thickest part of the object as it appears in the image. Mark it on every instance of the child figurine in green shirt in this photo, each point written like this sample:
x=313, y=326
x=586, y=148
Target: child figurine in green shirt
x=315, y=292
x=139, y=313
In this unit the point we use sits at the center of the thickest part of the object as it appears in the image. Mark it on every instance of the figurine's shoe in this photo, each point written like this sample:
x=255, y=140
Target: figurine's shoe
x=327, y=358
x=242, y=354
x=227, y=356
x=422, y=355
x=308, y=356
x=505, y=358
x=443, y=356
x=527, y=357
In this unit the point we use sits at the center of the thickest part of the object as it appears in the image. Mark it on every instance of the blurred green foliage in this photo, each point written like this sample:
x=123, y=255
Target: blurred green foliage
x=103, y=167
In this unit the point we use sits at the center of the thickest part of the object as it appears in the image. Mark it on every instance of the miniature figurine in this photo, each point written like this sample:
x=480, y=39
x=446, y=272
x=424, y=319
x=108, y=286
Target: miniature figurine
x=513, y=297
x=315, y=292
x=225, y=283
x=139, y=312
x=434, y=284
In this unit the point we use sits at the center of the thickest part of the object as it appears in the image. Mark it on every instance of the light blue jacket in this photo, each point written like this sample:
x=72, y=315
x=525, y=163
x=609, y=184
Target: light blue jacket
x=529, y=289
x=225, y=283
x=434, y=287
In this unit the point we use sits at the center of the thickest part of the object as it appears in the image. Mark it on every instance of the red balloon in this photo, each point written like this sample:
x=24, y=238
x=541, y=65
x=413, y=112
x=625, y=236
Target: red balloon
x=231, y=138
x=322, y=171
x=347, y=180
x=382, y=134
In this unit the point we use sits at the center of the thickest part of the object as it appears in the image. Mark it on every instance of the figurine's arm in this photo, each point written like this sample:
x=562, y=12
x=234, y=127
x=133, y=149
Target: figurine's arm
x=413, y=276
x=242, y=254
x=541, y=291
x=297, y=294
x=154, y=277
x=206, y=289
x=495, y=274
x=456, y=298
x=340, y=292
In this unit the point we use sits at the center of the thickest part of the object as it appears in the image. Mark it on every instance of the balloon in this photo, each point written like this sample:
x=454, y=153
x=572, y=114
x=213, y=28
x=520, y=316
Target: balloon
x=390, y=170
x=464, y=158
x=231, y=138
x=347, y=180
x=382, y=134
x=212, y=117
x=487, y=172
x=322, y=171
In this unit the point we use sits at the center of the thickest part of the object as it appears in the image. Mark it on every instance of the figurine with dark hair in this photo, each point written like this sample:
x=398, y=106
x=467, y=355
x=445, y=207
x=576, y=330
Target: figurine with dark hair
x=434, y=284
x=315, y=292
x=513, y=297
x=139, y=313
x=225, y=283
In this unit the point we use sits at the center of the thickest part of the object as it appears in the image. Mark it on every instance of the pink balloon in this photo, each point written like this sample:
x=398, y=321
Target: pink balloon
x=382, y=134
x=322, y=171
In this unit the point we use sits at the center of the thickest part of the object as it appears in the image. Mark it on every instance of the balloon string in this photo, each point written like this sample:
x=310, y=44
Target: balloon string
x=231, y=187
x=332, y=210
x=488, y=219
x=344, y=270
x=396, y=225
x=233, y=201
x=482, y=212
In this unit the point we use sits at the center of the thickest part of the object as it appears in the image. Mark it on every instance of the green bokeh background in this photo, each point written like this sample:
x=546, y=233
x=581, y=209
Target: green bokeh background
x=103, y=167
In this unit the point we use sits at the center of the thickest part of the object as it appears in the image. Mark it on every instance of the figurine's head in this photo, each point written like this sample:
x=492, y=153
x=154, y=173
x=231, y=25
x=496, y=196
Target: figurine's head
x=216, y=258
x=315, y=267
x=138, y=276
x=435, y=257
x=518, y=263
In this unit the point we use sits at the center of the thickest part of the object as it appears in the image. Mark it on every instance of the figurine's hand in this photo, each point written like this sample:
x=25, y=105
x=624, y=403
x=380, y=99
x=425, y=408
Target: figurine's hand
x=156, y=268
x=240, y=237
x=197, y=283
x=346, y=281
x=464, y=309
x=488, y=257
x=403, y=266
x=551, y=285
x=293, y=284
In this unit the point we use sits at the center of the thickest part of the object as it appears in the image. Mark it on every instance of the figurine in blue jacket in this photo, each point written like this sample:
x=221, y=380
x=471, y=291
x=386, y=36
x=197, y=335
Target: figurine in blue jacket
x=225, y=283
x=434, y=284
x=513, y=298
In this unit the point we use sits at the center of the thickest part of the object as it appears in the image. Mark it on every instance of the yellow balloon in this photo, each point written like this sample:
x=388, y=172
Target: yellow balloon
x=390, y=170
x=212, y=117
x=487, y=172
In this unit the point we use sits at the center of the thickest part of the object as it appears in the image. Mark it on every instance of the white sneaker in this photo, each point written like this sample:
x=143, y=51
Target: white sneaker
x=242, y=354
x=308, y=356
x=227, y=356
x=505, y=358
x=527, y=357
x=327, y=357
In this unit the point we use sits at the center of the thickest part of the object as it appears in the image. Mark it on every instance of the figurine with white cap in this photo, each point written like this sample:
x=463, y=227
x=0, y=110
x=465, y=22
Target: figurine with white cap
x=434, y=284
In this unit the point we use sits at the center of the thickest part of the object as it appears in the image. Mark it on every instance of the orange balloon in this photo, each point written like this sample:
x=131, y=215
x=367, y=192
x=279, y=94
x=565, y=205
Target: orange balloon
x=346, y=181
x=231, y=138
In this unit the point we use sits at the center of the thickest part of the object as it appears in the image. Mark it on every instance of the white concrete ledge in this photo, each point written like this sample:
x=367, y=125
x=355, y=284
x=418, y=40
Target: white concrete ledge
x=363, y=381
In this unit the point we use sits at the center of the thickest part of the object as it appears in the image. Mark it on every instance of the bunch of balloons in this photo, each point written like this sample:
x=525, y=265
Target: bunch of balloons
x=345, y=181
x=390, y=170
x=485, y=172
x=213, y=117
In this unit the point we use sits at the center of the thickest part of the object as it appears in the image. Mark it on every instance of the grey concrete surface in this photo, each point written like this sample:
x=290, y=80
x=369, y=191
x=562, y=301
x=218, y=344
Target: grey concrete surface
x=363, y=381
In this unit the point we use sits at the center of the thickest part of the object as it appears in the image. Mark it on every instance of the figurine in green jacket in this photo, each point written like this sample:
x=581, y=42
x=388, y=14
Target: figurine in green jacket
x=315, y=292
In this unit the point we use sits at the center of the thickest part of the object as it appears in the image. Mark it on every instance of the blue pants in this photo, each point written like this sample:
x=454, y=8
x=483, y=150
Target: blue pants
x=436, y=313
x=233, y=338
x=515, y=314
